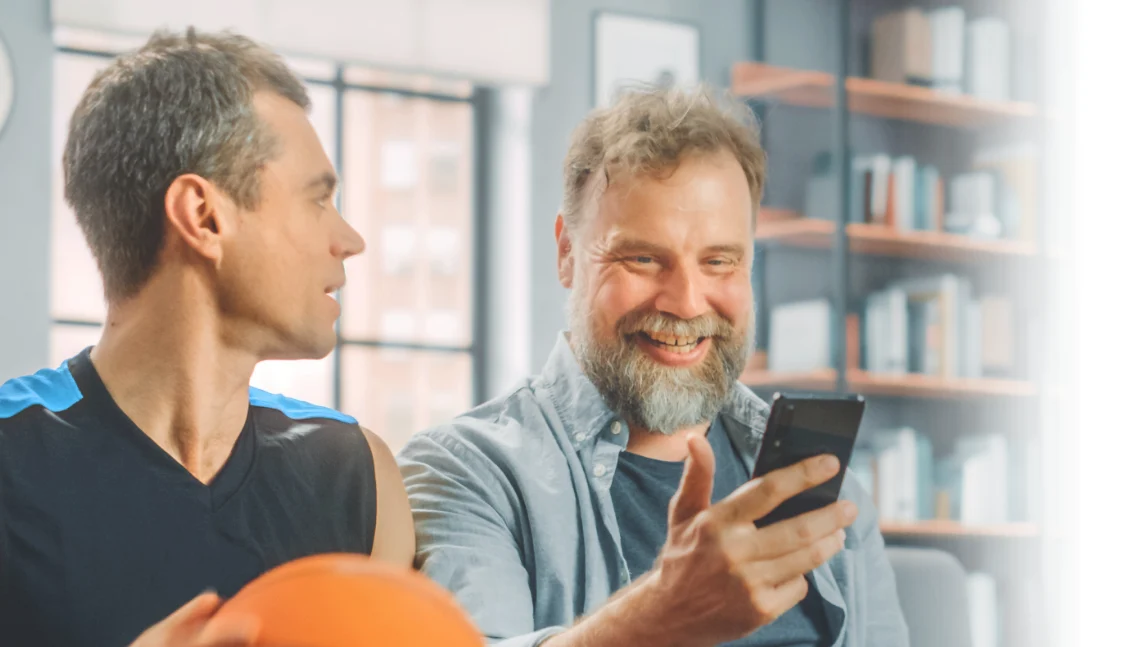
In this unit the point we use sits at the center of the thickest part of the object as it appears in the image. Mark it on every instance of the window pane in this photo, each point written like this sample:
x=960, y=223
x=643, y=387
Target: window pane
x=67, y=341
x=310, y=380
x=75, y=282
x=408, y=190
x=396, y=393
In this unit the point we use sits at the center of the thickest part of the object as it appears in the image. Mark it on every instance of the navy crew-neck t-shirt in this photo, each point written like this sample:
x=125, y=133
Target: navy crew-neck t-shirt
x=102, y=533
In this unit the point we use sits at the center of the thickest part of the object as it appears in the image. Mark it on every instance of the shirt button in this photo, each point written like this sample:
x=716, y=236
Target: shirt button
x=580, y=437
x=599, y=470
x=616, y=427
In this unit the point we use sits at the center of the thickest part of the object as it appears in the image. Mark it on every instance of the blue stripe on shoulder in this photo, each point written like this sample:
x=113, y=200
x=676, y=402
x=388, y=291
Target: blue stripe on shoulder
x=52, y=389
x=294, y=409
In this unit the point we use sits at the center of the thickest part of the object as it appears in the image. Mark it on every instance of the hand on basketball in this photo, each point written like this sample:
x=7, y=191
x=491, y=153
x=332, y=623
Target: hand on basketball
x=723, y=578
x=193, y=625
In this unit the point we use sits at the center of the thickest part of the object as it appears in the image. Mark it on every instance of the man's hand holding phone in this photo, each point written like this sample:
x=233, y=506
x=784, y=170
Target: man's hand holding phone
x=720, y=577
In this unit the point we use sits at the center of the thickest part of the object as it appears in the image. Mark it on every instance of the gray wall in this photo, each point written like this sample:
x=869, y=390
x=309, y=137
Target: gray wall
x=25, y=191
x=725, y=32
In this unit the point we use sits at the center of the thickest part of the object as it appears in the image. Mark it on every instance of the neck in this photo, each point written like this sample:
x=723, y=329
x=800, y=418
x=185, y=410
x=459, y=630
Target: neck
x=164, y=361
x=663, y=447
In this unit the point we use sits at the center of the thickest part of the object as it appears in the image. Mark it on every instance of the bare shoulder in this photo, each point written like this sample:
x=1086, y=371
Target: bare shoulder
x=394, y=538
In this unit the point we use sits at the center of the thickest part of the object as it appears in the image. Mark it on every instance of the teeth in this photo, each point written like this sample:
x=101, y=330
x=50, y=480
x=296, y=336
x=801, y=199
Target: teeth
x=673, y=340
x=674, y=343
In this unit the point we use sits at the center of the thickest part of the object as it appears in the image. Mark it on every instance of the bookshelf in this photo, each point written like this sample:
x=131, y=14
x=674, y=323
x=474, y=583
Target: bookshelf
x=879, y=240
x=953, y=529
x=924, y=433
x=908, y=385
x=873, y=98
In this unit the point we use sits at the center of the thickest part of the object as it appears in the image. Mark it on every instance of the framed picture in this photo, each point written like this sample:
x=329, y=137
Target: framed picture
x=634, y=49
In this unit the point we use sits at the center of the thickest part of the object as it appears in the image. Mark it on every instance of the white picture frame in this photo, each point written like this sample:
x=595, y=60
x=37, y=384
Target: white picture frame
x=634, y=49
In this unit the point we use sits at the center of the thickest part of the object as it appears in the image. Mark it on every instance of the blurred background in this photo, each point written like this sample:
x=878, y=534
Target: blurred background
x=974, y=248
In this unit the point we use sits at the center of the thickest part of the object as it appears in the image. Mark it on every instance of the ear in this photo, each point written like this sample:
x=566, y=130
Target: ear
x=193, y=206
x=565, y=260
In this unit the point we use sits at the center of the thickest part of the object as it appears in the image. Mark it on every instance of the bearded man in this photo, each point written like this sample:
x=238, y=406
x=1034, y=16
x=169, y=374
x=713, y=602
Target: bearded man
x=607, y=501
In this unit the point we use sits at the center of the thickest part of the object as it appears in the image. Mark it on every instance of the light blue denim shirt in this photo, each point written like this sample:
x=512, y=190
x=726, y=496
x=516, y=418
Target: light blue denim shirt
x=513, y=511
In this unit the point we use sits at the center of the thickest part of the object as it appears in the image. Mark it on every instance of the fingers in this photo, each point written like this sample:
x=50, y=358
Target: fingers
x=771, y=601
x=198, y=609
x=760, y=496
x=694, y=495
x=229, y=631
x=786, y=536
x=796, y=563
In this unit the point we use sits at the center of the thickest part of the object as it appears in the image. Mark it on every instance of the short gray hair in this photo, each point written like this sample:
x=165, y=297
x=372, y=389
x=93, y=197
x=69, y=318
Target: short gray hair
x=649, y=130
x=180, y=104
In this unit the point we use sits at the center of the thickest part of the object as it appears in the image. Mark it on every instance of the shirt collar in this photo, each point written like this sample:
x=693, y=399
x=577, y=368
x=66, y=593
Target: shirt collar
x=585, y=415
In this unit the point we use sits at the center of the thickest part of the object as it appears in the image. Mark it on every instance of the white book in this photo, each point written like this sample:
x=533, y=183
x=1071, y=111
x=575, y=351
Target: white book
x=908, y=477
x=984, y=489
x=895, y=336
x=800, y=336
x=881, y=172
x=903, y=192
x=973, y=358
x=947, y=26
x=887, y=475
x=988, y=69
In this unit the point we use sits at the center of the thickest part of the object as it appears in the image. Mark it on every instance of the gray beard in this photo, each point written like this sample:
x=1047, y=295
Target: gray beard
x=649, y=395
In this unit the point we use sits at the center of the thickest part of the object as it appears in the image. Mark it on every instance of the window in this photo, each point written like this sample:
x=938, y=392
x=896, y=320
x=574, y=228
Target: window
x=405, y=153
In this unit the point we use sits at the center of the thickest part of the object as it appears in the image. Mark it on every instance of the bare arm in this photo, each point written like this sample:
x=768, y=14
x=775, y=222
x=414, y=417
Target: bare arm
x=394, y=539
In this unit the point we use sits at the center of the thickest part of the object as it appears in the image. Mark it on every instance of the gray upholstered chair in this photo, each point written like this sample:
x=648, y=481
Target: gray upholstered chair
x=933, y=594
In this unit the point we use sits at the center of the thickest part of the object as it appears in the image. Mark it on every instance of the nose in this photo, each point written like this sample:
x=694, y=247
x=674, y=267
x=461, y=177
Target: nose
x=682, y=293
x=349, y=242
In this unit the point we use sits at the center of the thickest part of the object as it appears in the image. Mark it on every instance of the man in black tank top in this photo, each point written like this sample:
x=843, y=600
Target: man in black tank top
x=145, y=470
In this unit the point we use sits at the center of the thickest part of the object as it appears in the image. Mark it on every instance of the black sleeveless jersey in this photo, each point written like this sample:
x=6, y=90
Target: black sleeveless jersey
x=102, y=533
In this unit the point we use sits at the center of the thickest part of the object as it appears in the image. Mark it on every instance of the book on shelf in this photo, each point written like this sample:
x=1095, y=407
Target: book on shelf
x=901, y=47
x=994, y=200
x=947, y=49
x=943, y=49
x=979, y=482
x=988, y=59
x=921, y=325
x=1014, y=169
x=800, y=336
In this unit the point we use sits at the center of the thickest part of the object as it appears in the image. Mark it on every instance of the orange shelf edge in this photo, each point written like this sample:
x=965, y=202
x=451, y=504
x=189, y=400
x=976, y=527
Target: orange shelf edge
x=907, y=385
x=873, y=97
x=879, y=240
x=945, y=528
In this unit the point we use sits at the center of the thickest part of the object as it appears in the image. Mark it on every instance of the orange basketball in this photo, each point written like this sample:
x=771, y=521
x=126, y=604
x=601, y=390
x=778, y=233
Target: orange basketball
x=340, y=600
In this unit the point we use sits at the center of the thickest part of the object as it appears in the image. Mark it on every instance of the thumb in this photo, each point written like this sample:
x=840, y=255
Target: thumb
x=694, y=495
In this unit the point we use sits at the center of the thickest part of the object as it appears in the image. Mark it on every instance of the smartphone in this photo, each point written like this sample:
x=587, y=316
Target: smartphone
x=803, y=426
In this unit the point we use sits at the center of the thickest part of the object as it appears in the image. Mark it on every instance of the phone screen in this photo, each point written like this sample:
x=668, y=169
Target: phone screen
x=799, y=428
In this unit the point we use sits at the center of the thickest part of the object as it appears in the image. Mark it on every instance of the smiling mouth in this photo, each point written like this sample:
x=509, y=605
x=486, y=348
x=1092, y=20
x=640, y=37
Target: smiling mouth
x=672, y=343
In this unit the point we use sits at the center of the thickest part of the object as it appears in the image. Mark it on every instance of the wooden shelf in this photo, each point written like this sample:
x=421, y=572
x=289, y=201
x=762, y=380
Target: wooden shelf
x=942, y=528
x=909, y=385
x=878, y=240
x=875, y=98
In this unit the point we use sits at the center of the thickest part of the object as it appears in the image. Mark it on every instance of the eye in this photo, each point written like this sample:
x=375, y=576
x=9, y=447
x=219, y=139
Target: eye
x=642, y=260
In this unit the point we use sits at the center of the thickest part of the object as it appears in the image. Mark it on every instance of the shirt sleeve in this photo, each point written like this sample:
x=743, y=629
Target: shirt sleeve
x=466, y=538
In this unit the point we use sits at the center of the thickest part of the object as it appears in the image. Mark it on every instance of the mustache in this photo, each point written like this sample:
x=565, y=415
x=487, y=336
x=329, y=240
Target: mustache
x=708, y=325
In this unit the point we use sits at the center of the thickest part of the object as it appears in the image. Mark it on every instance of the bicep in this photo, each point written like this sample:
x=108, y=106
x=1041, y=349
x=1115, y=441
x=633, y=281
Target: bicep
x=394, y=537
